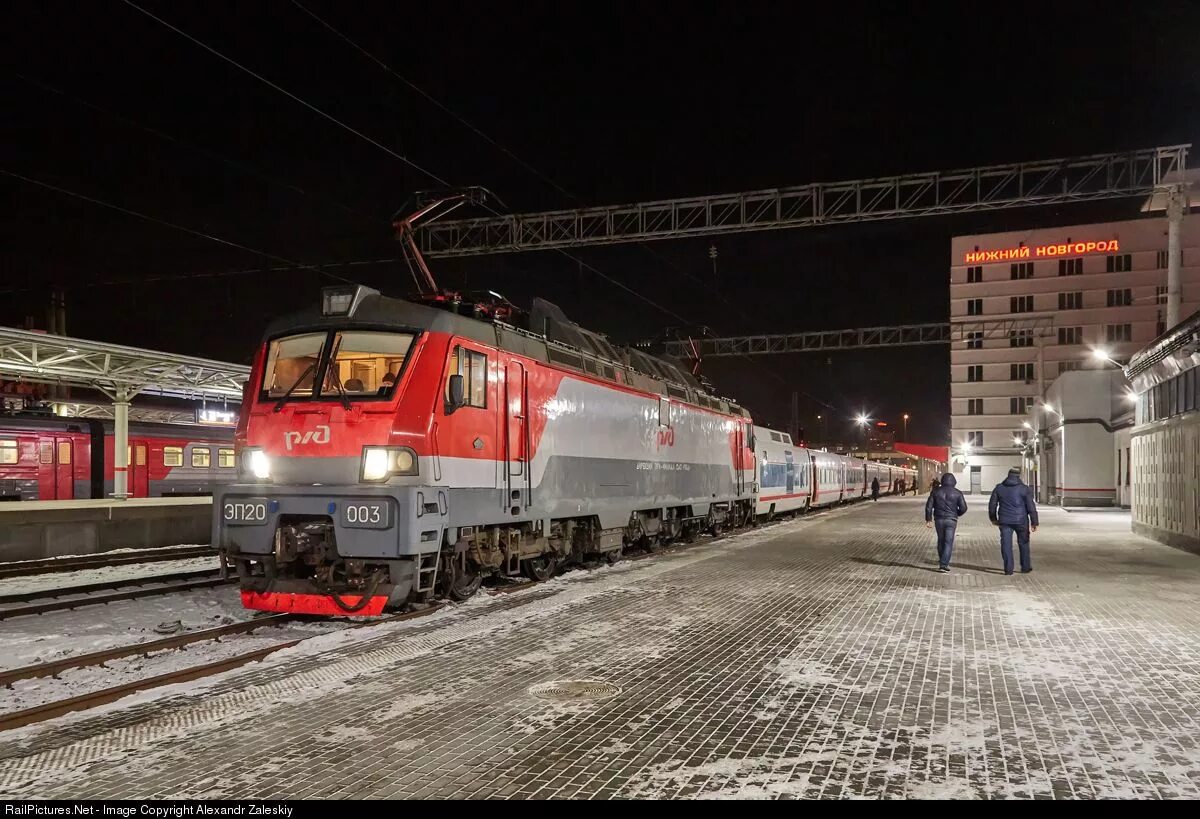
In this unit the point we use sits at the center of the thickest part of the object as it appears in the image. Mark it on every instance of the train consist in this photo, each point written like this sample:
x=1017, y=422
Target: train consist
x=392, y=451
x=45, y=457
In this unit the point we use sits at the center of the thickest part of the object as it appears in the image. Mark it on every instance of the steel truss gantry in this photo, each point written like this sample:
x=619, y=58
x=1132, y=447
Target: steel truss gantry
x=858, y=338
x=1053, y=181
x=119, y=372
x=106, y=412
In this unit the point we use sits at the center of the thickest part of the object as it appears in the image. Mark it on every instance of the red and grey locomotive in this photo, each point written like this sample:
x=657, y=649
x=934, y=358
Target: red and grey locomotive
x=390, y=451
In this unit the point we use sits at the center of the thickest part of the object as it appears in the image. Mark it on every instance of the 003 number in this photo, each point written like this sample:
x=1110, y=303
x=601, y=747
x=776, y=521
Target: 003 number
x=364, y=514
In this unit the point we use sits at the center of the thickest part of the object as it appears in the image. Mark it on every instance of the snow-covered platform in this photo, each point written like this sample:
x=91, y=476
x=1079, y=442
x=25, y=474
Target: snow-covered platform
x=821, y=657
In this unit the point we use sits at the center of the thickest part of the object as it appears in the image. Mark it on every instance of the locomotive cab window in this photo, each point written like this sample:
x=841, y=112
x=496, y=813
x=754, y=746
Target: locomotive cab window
x=226, y=459
x=365, y=363
x=472, y=366
x=9, y=454
x=172, y=456
x=292, y=366
x=201, y=456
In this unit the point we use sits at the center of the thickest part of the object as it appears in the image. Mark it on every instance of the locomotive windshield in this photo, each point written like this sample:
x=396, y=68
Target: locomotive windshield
x=346, y=364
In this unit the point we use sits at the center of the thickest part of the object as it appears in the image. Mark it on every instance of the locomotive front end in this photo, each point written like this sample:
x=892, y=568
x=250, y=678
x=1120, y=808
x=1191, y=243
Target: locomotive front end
x=334, y=512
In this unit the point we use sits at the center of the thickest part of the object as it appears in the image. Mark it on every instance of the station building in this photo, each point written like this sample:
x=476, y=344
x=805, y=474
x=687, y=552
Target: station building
x=1027, y=307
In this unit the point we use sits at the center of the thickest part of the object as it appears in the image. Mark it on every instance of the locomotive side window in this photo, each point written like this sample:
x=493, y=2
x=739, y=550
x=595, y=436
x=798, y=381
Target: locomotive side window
x=292, y=366
x=472, y=366
x=664, y=412
x=172, y=456
x=9, y=454
x=226, y=459
x=365, y=363
x=201, y=456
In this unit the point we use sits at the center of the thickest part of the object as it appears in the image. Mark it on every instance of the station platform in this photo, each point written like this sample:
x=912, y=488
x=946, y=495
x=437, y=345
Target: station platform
x=822, y=657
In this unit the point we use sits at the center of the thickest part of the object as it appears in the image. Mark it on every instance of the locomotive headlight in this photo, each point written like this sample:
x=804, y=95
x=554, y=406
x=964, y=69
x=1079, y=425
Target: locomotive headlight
x=380, y=463
x=255, y=462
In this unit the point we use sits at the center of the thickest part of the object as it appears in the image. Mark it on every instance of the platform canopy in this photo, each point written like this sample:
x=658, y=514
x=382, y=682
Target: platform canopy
x=50, y=359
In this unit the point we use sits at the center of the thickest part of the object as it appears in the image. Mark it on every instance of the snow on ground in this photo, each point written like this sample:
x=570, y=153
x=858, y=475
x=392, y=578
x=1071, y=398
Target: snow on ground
x=61, y=580
x=77, y=681
x=121, y=551
x=44, y=637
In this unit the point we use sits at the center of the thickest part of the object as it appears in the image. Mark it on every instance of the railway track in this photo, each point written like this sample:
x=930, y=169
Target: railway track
x=51, y=599
x=50, y=710
x=25, y=568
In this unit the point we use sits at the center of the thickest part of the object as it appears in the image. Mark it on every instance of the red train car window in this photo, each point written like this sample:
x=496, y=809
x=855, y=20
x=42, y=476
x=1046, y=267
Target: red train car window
x=46, y=453
x=9, y=454
x=64, y=453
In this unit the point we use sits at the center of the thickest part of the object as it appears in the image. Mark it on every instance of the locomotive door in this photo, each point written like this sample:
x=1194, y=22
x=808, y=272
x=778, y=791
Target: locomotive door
x=516, y=438
x=739, y=444
x=56, y=480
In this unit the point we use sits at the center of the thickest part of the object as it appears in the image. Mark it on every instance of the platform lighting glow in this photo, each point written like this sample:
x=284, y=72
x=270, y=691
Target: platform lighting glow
x=1101, y=354
x=1018, y=441
x=862, y=419
x=1131, y=396
x=1027, y=425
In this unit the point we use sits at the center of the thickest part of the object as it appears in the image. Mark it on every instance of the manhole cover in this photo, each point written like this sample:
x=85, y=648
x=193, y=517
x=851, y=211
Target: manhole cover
x=574, y=690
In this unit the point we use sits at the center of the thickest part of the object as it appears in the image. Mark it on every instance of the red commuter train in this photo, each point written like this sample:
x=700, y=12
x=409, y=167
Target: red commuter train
x=391, y=451
x=46, y=457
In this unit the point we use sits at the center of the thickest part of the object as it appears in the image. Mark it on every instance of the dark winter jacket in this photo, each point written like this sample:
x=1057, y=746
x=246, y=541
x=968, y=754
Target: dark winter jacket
x=1012, y=503
x=945, y=502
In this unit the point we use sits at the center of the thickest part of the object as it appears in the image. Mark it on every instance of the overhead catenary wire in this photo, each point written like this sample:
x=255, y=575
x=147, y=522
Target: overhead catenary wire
x=164, y=223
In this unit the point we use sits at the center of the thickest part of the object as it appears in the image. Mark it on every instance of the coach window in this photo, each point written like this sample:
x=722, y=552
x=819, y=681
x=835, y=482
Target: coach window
x=226, y=459
x=172, y=456
x=9, y=454
x=664, y=412
x=201, y=456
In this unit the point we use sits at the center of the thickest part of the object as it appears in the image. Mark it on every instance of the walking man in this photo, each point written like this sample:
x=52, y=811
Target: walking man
x=942, y=511
x=875, y=489
x=1011, y=507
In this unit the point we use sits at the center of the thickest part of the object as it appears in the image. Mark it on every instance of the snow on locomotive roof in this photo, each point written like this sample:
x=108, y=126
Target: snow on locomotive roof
x=550, y=337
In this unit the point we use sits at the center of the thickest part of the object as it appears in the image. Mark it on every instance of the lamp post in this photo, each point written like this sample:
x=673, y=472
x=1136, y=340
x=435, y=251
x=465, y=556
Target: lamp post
x=863, y=421
x=906, y=427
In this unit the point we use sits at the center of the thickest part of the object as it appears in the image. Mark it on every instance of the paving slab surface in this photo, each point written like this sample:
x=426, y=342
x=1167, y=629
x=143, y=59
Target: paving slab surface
x=822, y=657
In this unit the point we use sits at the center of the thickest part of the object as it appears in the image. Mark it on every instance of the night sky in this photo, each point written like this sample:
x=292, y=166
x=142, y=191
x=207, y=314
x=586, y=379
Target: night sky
x=607, y=103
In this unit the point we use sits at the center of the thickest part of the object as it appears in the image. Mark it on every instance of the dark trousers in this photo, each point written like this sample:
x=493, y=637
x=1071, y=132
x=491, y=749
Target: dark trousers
x=1006, y=538
x=945, y=533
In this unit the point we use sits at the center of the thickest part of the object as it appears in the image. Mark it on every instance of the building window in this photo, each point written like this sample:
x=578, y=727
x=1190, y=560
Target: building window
x=1121, y=263
x=172, y=456
x=975, y=439
x=9, y=453
x=974, y=307
x=1160, y=294
x=1070, y=335
x=1020, y=372
x=1019, y=405
x=974, y=275
x=975, y=372
x=1070, y=301
x=1020, y=338
x=1161, y=260
x=1160, y=326
x=1021, y=270
x=201, y=457
x=1069, y=366
x=1118, y=332
x=226, y=459
x=974, y=406
x=1020, y=304
x=1122, y=297
x=975, y=340
x=1070, y=267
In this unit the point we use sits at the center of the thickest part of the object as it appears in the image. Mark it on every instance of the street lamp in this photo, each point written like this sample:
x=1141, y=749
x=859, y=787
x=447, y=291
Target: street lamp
x=906, y=427
x=863, y=421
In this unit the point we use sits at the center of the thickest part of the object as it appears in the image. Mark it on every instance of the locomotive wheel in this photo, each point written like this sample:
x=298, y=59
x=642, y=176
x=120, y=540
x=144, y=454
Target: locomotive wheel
x=541, y=567
x=614, y=555
x=461, y=583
